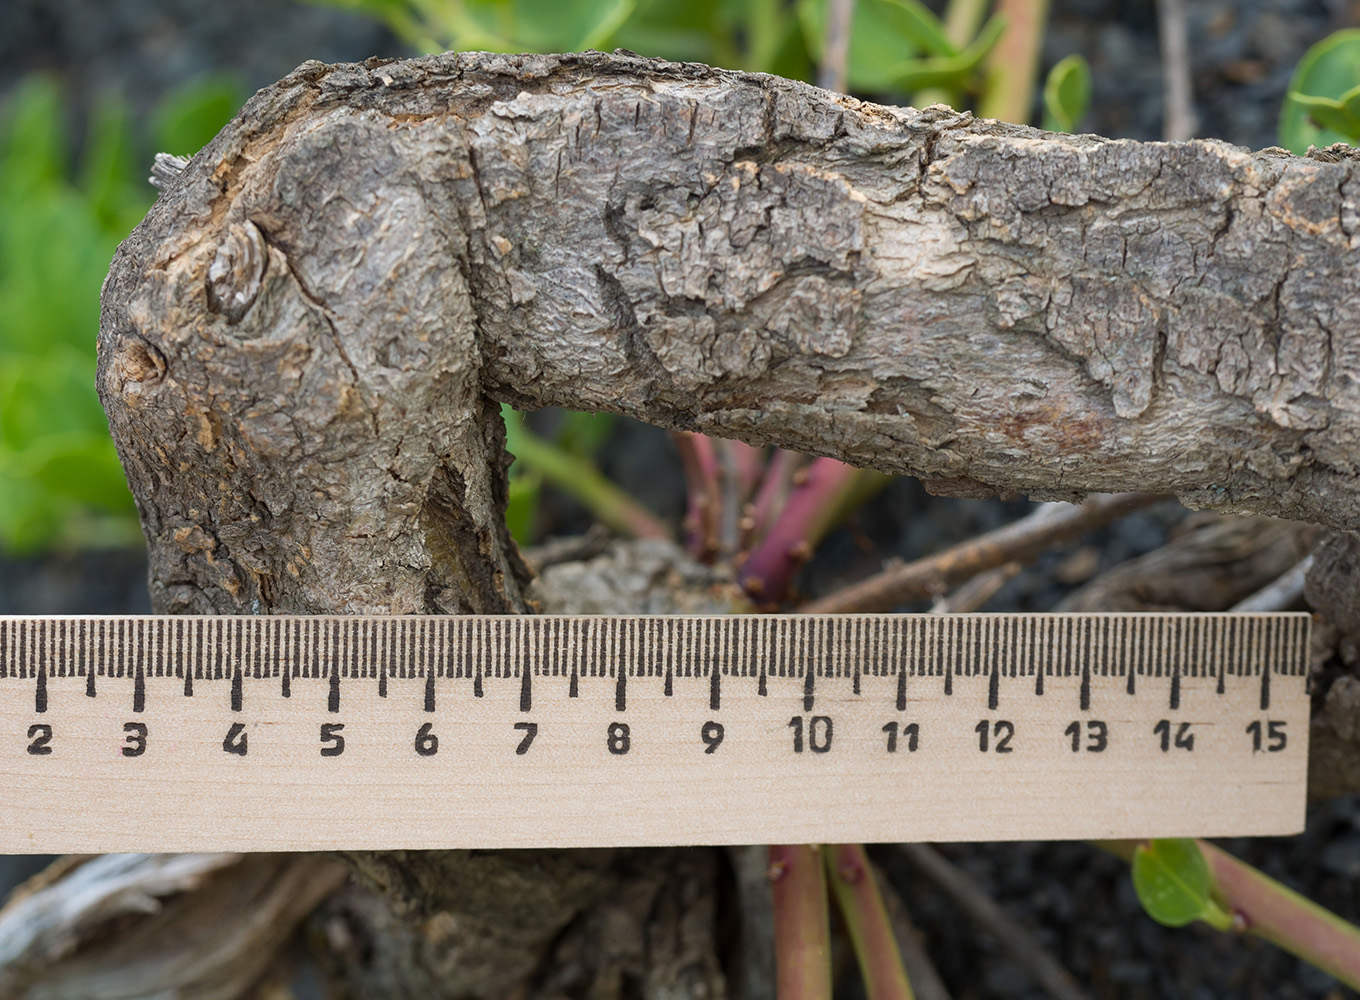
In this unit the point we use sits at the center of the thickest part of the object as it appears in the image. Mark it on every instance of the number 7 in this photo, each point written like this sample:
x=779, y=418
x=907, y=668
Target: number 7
x=530, y=730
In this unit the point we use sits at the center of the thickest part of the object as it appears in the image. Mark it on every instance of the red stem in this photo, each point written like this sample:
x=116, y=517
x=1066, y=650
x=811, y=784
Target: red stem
x=774, y=491
x=1283, y=917
x=704, y=506
x=820, y=494
x=802, y=933
x=748, y=461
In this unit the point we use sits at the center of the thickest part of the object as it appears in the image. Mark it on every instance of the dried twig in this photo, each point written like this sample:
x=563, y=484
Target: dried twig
x=1023, y=947
x=195, y=926
x=1178, y=121
x=1021, y=541
x=977, y=591
x=1280, y=594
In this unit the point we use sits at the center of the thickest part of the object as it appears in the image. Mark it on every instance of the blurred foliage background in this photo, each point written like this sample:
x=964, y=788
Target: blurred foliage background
x=60, y=220
x=66, y=200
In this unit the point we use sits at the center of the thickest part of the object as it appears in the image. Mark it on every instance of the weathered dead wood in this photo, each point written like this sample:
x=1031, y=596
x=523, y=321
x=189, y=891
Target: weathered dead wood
x=1210, y=564
x=126, y=927
x=298, y=342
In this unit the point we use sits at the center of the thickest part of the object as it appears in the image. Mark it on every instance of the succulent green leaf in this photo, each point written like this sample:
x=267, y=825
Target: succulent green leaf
x=1171, y=879
x=1067, y=94
x=890, y=40
x=1329, y=70
x=1326, y=113
x=923, y=28
x=951, y=73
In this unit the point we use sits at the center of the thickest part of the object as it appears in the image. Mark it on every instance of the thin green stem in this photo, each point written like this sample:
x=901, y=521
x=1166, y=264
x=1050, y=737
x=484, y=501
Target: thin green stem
x=579, y=478
x=1013, y=66
x=962, y=19
x=866, y=921
x=764, y=32
x=1259, y=905
x=802, y=932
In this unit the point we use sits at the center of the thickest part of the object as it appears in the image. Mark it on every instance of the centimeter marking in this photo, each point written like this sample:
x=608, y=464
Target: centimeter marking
x=707, y=758
x=754, y=647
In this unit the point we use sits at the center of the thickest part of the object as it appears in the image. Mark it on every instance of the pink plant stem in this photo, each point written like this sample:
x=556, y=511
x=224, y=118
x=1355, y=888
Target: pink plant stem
x=774, y=491
x=1259, y=905
x=704, y=506
x=1283, y=917
x=866, y=921
x=802, y=933
x=822, y=491
x=748, y=462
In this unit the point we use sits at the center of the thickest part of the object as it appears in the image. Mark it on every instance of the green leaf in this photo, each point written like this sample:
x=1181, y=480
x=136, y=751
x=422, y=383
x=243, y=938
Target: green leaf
x=1067, y=94
x=193, y=114
x=83, y=468
x=1171, y=879
x=60, y=481
x=952, y=73
x=923, y=28
x=1334, y=116
x=1329, y=70
x=1350, y=100
x=889, y=39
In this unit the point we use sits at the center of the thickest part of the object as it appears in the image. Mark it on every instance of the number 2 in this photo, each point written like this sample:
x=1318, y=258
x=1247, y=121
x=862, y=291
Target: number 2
x=41, y=735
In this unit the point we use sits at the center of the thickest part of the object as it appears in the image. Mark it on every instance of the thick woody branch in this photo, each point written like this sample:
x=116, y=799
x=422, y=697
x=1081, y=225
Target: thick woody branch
x=299, y=341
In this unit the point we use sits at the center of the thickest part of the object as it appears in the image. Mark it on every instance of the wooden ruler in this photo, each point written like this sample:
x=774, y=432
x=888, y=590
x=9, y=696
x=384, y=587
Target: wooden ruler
x=293, y=733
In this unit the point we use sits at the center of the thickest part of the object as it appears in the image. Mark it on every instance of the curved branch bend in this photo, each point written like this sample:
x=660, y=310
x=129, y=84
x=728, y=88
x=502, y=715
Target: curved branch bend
x=301, y=343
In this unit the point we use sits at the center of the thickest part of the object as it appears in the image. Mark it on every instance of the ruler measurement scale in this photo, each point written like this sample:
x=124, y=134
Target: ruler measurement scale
x=333, y=732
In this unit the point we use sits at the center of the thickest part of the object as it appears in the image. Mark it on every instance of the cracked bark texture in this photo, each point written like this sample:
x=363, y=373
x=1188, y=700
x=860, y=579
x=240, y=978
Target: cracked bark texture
x=303, y=345
x=299, y=342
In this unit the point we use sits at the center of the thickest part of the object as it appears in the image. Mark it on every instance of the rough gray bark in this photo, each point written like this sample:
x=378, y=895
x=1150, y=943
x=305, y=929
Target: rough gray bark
x=302, y=345
x=299, y=342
